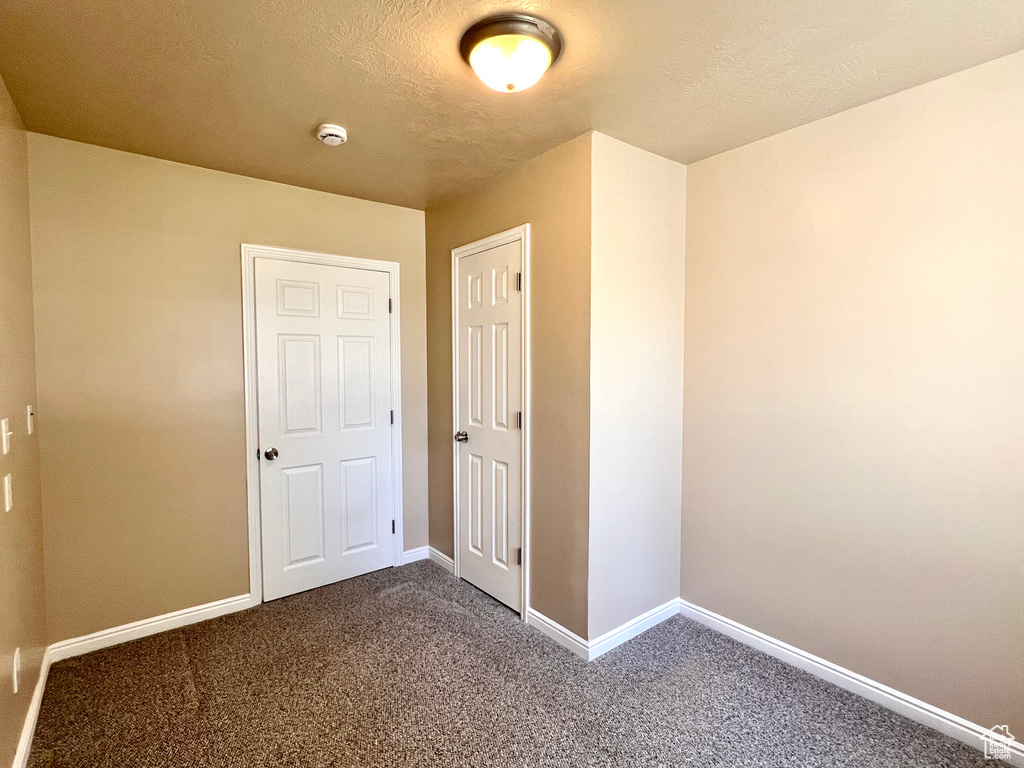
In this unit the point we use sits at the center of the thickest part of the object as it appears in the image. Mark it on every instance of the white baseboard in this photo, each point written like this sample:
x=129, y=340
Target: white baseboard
x=442, y=559
x=945, y=722
x=76, y=646
x=558, y=633
x=632, y=628
x=951, y=725
x=591, y=649
x=29, y=728
x=412, y=555
x=65, y=649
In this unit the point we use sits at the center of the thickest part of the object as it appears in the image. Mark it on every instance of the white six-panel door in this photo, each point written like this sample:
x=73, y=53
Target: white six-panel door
x=323, y=362
x=488, y=401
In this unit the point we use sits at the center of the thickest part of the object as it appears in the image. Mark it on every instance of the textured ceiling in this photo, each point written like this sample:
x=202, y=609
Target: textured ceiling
x=240, y=85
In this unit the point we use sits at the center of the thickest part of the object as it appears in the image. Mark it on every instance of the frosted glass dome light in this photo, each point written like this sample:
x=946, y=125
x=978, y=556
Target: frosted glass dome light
x=512, y=52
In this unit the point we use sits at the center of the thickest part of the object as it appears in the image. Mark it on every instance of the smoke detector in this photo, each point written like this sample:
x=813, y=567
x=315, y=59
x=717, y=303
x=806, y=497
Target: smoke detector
x=332, y=135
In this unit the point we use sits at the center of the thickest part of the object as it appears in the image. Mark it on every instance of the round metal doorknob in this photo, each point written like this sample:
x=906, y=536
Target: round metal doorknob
x=462, y=437
x=271, y=454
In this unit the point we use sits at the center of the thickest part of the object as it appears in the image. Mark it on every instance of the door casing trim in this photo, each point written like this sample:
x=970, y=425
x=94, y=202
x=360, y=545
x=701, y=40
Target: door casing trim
x=522, y=235
x=252, y=463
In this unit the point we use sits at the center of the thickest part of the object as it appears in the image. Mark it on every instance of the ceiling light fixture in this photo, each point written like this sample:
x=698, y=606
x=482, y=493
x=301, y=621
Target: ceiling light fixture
x=512, y=51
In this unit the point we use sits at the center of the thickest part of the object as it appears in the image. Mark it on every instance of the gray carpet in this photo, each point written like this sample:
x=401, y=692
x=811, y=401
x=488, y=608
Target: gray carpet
x=408, y=667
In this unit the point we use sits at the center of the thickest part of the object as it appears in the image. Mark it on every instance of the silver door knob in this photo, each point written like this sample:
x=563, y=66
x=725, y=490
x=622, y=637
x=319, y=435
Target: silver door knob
x=462, y=437
x=271, y=454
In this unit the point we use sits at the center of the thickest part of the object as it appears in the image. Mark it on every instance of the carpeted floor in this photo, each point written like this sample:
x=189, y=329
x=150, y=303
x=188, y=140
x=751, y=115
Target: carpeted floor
x=408, y=667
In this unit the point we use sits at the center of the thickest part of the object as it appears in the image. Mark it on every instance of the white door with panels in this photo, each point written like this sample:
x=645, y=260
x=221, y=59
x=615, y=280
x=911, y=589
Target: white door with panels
x=323, y=361
x=489, y=401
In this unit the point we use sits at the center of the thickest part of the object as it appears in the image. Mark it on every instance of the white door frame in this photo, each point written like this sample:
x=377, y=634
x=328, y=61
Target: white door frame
x=252, y=465
x=522, y=235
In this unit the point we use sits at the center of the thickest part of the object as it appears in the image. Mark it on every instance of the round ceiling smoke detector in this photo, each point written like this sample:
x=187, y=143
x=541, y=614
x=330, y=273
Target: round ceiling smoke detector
x=332, y=135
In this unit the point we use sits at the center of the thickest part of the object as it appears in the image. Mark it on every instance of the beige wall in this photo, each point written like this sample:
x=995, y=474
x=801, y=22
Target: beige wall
x=552, y=194
x=22, y=615
x=636, y=381
x=854, y=425
x=139, y=337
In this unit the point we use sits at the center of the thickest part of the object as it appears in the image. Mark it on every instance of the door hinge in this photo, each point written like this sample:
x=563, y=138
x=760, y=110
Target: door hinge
x=519, y=419
x=392, y=527
x=390, y=309
x=519, y=281
x=392, y=417
x=519, y=556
